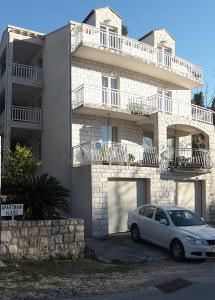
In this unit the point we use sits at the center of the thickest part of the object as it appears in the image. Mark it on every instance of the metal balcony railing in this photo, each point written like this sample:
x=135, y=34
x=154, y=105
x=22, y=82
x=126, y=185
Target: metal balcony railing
x=26, y=114
x=95, y=96
x=186, y=159
x=27, y=72
x=114, y=153
x=95, y=37
x=111, y=98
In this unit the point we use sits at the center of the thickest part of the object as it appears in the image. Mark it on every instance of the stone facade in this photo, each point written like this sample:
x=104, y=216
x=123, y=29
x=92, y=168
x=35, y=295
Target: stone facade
x=47, y=239
x=75, y=110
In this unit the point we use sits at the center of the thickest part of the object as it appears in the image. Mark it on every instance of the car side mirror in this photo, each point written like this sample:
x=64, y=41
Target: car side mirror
x=164, y=222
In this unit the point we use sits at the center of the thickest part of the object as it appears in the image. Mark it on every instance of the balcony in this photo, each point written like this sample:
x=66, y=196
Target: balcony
x=91, y=43
x=26, y=117
x=110, y=153
x=186, y=159
x=30, y=74
x=96, y=100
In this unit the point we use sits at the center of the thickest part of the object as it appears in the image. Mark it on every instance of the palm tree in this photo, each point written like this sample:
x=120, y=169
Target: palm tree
x=43, y=197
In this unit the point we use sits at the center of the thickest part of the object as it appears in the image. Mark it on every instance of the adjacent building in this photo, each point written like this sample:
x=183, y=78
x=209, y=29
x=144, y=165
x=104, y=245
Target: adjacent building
x=110, y=116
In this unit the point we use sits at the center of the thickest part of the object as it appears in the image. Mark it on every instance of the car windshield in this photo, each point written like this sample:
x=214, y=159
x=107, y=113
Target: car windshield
x=185, y=218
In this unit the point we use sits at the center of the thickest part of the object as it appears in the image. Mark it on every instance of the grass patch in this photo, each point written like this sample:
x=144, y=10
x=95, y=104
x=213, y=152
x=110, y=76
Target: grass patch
x=59, y=267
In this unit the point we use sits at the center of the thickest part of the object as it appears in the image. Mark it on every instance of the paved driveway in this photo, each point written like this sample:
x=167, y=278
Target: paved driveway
x=120, y=247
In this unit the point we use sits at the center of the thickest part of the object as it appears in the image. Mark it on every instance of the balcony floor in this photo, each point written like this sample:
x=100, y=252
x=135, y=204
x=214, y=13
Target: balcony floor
x=110, y=112
x=26, y=125
x=119, y=59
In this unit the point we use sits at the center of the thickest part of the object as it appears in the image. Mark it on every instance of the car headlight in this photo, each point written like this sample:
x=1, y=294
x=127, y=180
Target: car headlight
x=195, y=241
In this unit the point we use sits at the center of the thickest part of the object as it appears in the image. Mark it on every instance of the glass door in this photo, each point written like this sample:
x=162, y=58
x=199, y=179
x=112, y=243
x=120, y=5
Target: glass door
x=108, y=37
x=110, y=93
x=171, y=148
x=164, y=57
x=165, y=101
x=105, y=85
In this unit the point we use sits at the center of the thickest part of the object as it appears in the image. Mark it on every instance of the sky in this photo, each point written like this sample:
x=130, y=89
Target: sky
x=190, y=22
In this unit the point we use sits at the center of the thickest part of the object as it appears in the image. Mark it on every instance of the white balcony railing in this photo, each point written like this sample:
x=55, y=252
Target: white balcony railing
x=26, y=114
x=95, y=37
x=112, y=98
x=186, y=158
x=27, y=72
x=92, y=95
x=114, y=153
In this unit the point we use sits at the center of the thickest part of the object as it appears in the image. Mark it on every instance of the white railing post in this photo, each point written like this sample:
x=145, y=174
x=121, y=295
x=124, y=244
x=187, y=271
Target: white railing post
x=137, y=49
x=138, y=104
x=114, y=153
x=27, y=72
x=25, y=114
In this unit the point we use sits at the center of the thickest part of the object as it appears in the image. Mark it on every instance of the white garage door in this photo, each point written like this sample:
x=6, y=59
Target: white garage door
x=123, y=196
x=189, y=195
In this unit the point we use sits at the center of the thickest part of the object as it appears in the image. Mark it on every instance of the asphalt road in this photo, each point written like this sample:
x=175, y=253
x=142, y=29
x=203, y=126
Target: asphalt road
x=201, y=282
x=197, y=291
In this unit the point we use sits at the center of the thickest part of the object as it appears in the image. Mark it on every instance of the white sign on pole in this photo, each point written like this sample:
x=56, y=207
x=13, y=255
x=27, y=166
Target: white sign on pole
x=11, y=210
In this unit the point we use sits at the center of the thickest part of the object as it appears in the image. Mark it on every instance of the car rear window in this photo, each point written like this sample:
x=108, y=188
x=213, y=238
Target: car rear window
x=147, y=211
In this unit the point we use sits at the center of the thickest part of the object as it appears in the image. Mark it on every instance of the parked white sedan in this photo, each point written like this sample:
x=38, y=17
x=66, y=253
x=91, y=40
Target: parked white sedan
x=174, y=228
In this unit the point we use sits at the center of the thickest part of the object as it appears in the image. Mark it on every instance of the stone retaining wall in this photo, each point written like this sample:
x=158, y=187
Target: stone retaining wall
x=42, y=239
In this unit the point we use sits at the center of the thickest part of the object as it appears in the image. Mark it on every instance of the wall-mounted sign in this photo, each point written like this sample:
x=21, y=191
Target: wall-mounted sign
x=11, y=210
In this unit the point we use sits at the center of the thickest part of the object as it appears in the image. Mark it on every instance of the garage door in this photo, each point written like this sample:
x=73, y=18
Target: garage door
x=123, y=196
x=189, y=195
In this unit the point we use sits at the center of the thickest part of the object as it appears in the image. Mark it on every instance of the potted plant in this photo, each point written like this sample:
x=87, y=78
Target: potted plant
x=104, y=154
x=131, y=159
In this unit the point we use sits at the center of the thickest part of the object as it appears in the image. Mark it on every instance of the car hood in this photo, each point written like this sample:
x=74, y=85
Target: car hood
x=203, y=231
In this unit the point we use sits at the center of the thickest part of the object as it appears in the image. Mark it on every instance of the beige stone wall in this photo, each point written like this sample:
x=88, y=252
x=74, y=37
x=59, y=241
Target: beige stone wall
x=89, y=72
x=42, y=239
x=105, y=16
x=88, y=128
x=162, y=190
x=160, y=37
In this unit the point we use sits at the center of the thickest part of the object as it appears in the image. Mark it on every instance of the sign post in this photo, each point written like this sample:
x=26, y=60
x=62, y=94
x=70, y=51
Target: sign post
x=11, y=210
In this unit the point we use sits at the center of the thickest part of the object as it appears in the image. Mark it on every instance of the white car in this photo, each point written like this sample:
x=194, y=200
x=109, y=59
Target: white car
x=174, y=228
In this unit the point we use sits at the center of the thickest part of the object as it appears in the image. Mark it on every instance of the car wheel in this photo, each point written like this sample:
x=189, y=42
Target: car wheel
x=177, y=250
x=135, y=233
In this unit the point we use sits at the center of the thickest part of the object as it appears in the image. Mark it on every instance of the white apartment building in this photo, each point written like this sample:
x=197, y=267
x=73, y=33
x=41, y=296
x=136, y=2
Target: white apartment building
x=109, y=116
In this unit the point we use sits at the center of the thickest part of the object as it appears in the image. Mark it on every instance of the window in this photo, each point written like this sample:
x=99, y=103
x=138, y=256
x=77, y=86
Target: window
x=115, y=134
x=147, y=211
x=164, y=57
x=171, y=147
x=141, y=211
x=147, y=139
x=109, y=134
x=160, y=214
x=108, y=37
x=165, y=101
x=110, y=93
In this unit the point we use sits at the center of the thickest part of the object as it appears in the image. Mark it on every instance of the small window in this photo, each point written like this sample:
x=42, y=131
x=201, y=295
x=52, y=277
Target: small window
x=115, y=134
x=141, y=211
x=160, y=214
x=148, y=211
x=147, y=139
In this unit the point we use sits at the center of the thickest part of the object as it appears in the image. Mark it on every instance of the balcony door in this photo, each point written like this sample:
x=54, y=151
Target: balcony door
x=110, y=93
x=164, y=57
x=171, y=143
x=165, y=101
x=109, y=134
x=110, y=150
x=108, y=37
